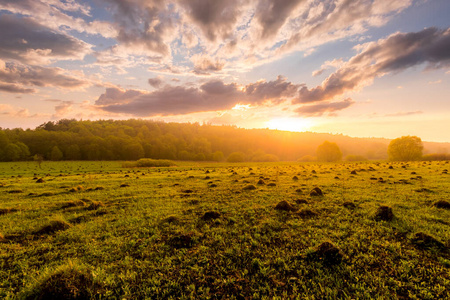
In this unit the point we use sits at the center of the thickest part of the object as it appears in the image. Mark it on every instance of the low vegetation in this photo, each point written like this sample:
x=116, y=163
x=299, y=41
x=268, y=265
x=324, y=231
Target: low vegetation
x=347, y=230
x=130, y=140
x=149, y=163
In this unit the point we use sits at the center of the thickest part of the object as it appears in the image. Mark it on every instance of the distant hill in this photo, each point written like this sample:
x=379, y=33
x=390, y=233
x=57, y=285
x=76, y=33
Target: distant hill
x=133, y=139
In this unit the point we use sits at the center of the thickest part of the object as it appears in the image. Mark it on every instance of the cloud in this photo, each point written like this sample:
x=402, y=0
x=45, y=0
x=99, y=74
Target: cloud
x=216, y=19
x=247, y=32
x=63, y=108
x=57, y=16
x=143, y=25
x=276, y=90
x=203, y=65
x=155, y=82
x=272, y=15
x=17, y=112
x=326, y=21
x=14, y=88
x=406, y=113
x=27, y=41
x=435, y=82
x=213, y=95
x=396, y=53
x=14, y=77
x=319, y=109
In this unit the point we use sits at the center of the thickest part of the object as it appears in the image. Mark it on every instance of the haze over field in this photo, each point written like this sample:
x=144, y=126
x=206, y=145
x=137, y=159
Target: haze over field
x=362, y=68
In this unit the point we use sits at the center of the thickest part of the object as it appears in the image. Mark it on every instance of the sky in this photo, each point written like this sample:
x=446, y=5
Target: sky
x=363, y=68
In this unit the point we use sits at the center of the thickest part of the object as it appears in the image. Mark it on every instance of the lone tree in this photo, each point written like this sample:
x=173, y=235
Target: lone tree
x=405, y=148
x=328, y=152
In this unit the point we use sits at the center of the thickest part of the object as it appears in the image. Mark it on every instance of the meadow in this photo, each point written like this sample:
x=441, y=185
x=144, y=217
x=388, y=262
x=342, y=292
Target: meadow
x=81, y=230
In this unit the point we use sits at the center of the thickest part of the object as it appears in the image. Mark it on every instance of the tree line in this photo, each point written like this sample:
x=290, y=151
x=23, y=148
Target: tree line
x=71, y=139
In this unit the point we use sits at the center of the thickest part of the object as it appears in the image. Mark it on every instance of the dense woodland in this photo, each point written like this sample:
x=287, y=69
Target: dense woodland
x=134, y=139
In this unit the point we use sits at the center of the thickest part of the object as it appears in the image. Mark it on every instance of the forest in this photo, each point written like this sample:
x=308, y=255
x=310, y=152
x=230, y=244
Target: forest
x=70, y=139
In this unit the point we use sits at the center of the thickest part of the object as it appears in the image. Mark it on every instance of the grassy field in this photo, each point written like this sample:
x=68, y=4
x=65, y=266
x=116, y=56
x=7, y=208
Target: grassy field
x=80, y=230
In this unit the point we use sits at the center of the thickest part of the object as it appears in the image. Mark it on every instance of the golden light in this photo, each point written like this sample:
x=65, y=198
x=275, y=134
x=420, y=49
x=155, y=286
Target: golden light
x=290, y=124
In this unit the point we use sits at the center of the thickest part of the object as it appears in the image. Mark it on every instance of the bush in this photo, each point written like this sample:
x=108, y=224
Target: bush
x=236, y=157
x=328, y=152
x=405, y=148
x=148, y=163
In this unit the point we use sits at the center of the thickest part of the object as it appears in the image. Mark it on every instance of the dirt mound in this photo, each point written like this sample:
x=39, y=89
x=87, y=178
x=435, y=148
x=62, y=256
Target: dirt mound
x=210, y=215
x=40, y=180
x=171, y=220
x=442, y=204
x=181, y=241
x=306, y=214
x=54, y=226
x=328, y=254
x=272, y=184
x=261, y=182
x=316, y=192
x=301, y=201
x=284, y=205
x=349, y=205
x=4, y=211
x=249, y=187
x=425, y=241
x=384, y=213
x=67, y=283
x=95, y=205
x=73, y=203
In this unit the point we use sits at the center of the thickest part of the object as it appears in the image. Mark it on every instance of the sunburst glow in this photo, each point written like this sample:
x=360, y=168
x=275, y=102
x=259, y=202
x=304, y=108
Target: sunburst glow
x=290, y=124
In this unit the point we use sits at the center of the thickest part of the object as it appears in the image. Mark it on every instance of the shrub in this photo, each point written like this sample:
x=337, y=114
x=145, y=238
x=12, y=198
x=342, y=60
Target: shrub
x=328, y=152
x=405, y=148
x=236, y=157
x=148, y=163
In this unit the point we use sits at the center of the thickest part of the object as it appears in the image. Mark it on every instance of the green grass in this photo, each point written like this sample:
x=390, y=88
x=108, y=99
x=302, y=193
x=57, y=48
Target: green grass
x=193, y=231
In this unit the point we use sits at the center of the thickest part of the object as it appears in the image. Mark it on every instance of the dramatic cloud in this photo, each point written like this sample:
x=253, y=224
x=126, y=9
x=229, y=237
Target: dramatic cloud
x=13, y=88
x=275, y=91
x=216, y=19
x=14, y=77
x=325, y=21
x=144, y=25
x=317, y=110
x=213, y=95
x=57, y=15
x=203, y=65
x=394, y=54
x=272, y=14
x=25, y=40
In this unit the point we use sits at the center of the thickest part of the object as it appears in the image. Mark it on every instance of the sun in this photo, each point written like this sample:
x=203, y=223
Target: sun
x=290, y=124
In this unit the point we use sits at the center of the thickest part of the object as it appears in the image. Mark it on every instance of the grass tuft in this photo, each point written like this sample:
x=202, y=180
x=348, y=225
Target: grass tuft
x=67, y=282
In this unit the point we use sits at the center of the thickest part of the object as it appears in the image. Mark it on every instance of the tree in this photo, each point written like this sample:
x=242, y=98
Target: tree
x=236, y=157
x=56, y=154
x=73, y=152
x=12, y=152
x=328, y=152
x=217, y=156
x=134, y=151
x=405, y=148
